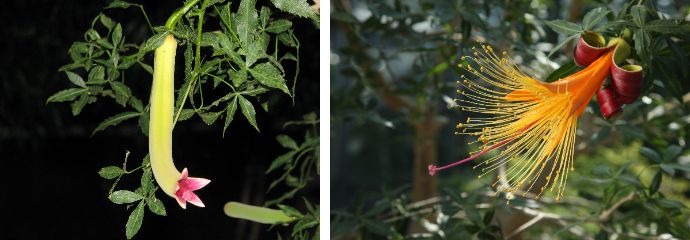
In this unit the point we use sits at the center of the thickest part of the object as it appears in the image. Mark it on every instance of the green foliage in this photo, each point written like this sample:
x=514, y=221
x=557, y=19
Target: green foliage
x=302, y=160
x=395, y=66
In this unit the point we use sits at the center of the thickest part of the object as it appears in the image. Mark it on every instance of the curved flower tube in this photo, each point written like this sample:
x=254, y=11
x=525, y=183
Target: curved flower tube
x=175, y=184
x=534, y=122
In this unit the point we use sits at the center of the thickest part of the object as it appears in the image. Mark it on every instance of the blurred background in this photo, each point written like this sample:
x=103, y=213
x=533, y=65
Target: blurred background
x=50, y=161
x=393, y=73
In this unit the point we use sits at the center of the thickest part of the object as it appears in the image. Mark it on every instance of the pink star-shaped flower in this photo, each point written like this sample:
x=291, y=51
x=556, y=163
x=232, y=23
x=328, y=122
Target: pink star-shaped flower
x=186, y=187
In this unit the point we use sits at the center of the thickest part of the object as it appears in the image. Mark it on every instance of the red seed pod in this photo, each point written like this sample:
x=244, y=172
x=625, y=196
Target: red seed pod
x=627, y=82
x=590, y=46
x=610, y=107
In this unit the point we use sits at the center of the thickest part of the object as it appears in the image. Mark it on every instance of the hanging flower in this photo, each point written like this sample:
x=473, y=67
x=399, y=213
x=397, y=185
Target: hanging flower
x=533, y=122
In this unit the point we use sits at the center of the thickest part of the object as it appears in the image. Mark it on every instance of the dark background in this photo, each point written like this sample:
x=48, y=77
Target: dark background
x=50, y=188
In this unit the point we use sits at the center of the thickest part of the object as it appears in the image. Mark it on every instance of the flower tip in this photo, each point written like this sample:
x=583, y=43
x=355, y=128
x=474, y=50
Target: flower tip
x=432, y=170
x=186, y=187
x=609, y=105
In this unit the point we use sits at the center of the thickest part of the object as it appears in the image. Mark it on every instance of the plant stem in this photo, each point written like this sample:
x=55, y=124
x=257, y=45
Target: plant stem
x=172, y=20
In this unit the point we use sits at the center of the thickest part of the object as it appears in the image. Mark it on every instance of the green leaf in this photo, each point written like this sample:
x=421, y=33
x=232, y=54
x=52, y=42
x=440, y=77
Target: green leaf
x=650, y=154
x=632, y=132
x=600, y=135
x=238, y=77
x=144, y=122
x=561, y=44
x=66, y=95
x=564, y=27
x=671, y=168
x=134, y=221
x=119, y=4
x=256, y=49
x=656, y=182
x=156, y=206
x=186, y=114
x=114, y=120
x=146, y=181
x=106, y=21
x=679, y=55
x=280, y=161
x=666, y=26
x=117, y=35
x=278, y=26
x=668, y=169
x=488, y=216
x=296, y=7
x=210, y=39
x=76, y=79
x=122, y=92
x=287, y=38
x=248, y=111
x=97, y=75
x=670, y=78
x=92, y=35
x=639, y=13
x=642, y=42
x=247, y=21
x=209, y=117
x=153, y=42
x=264, y=15
x=78, y=105
x=136, y=104
x=286, y=141
x=269, y=76
x=593, y=17
x=124, y=196
x=672, y=152
x=564, y=71
x=111, y=172
x=344, y=17
x=230, y=113
x=290, y=211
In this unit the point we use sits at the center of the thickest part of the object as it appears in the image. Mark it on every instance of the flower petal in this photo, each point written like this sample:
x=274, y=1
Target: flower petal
x=197, y=183
x=184, y=174
x=194, y=199
x=181, y=202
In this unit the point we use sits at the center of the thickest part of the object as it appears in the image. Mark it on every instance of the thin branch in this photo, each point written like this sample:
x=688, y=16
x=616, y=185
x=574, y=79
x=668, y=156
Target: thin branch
x=605, y=216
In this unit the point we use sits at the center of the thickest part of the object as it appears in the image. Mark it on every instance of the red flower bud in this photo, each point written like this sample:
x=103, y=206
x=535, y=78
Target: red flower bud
x=590, y=46
x=627, y=82
x=610, y=107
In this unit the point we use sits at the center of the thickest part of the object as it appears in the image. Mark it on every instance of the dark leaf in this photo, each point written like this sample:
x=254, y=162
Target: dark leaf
x=564, y=27
x=286, y=141
x=114, y=120
x=230, y=113
x=593, y=17
x=656, y=182
x=565, y=70
x=650, y=154
x=122, y=92
x=67, y=95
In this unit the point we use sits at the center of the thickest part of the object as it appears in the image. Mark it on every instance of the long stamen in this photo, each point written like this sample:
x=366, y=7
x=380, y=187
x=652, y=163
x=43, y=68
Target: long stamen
x=433, y=168
x=534, y=121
